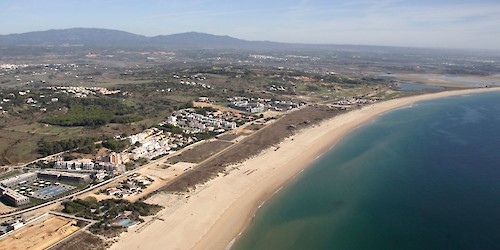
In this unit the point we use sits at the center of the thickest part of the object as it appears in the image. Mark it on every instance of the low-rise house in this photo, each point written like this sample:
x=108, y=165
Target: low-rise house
x=108, y=166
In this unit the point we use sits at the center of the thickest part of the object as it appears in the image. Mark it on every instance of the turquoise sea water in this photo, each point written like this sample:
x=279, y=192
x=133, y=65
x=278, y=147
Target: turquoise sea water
x=423, y=177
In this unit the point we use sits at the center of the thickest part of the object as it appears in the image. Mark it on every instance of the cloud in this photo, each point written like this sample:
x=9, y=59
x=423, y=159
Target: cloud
x=396, y=23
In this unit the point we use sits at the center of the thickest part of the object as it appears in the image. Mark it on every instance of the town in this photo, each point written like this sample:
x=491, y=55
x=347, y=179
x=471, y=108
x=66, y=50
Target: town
x=182, y=128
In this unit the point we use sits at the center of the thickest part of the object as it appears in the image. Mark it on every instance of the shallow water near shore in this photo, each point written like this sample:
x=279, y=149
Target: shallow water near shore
x=423, y=177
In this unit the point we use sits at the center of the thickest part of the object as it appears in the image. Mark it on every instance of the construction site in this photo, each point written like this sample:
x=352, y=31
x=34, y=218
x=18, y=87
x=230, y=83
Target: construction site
x=40, y=234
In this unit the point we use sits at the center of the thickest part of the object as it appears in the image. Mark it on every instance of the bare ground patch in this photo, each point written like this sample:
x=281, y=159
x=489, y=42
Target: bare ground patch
x=82, y=241
x=200, y=152
x=228, y=137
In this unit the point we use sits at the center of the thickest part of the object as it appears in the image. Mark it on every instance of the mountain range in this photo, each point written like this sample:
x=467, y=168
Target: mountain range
x=107, y=37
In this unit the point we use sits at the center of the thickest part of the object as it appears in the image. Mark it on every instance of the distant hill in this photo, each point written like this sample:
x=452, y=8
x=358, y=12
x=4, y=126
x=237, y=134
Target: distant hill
x=195, y=38
x=84, y=36
x=106, y=37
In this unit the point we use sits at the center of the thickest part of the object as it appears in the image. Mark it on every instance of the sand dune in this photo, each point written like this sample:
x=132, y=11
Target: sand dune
x=214, y=214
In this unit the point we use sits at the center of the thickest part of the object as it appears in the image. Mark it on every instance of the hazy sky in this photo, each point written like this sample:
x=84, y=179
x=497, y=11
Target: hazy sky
x=422, y=23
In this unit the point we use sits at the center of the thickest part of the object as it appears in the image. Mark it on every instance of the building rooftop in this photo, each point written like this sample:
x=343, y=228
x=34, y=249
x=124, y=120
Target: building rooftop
x=17, y=178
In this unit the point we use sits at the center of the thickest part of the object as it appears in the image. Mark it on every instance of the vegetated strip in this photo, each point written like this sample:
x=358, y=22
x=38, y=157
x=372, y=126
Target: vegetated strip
x=252, y=145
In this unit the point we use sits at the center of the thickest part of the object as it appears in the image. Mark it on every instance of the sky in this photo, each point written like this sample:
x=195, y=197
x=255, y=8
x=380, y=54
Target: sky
x=423, y=23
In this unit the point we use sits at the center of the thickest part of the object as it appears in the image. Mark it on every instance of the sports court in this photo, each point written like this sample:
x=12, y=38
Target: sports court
x=51, y=191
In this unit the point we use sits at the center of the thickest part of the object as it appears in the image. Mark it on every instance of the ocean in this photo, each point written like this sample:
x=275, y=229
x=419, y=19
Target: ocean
x=420, y=177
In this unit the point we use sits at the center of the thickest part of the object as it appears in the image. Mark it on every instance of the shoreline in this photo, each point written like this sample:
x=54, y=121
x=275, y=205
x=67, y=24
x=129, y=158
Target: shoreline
x=215, y=214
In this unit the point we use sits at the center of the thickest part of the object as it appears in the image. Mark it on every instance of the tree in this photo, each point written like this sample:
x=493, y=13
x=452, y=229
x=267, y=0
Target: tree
x=116, y=145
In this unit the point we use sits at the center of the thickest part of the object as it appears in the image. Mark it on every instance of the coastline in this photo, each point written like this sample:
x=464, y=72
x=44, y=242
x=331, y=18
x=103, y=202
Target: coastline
x=213, y=215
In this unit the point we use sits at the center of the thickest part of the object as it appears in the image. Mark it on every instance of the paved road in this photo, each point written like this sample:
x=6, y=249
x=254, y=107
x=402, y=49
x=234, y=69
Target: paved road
x=91, y=188
x=71, y=216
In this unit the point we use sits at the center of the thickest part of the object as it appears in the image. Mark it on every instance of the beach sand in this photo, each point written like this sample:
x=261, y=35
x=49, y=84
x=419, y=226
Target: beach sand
x=214, y=214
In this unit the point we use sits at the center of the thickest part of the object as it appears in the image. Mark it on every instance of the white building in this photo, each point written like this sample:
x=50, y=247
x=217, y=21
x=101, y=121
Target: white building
x=172, y=120
x=13, y=198
x=14, y=181
x=85, y=164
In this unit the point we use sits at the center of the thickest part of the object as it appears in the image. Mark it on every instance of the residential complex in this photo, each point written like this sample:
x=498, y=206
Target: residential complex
x=211, y=121
x=15, y=191
x=85, y=164
x=259, y=105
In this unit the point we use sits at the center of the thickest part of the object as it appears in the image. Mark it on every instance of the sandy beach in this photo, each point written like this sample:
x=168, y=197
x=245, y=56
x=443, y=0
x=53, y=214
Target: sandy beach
x=214, y=214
